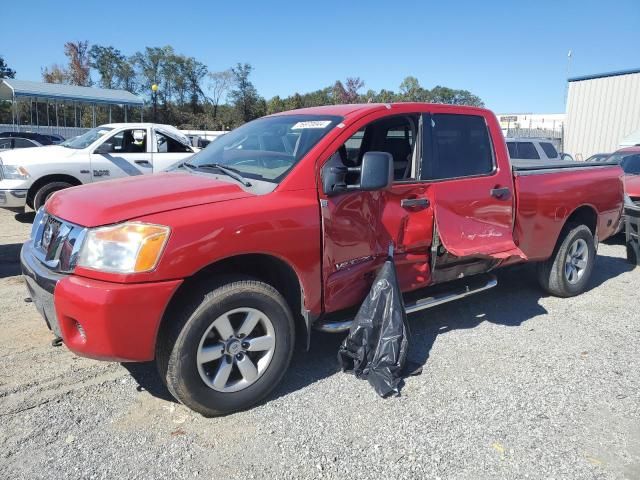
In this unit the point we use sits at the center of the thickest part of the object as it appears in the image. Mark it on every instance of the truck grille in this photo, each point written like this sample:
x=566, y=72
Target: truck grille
x=57, y=242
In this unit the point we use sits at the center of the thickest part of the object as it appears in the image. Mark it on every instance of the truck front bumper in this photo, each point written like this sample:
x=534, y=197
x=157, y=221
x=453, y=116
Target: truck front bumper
x=97, y=319
x=13, y=198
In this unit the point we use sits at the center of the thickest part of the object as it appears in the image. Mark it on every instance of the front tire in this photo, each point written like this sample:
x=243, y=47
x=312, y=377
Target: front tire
x=44, y=192
x=229, y=350
x=569, y=269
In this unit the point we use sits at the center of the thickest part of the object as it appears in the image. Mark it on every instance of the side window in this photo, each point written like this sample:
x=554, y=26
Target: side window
x=513, y=149
x=460, y=147
x=5, y=144
x=395, y=135
x=527, y=151
x=167, y=144
x=22, y=143
x=129, y=141
x=549, y=150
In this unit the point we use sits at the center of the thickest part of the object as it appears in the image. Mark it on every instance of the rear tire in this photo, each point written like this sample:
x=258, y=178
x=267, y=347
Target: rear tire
x=42, y=195
x=569, y=269
x=200, y=347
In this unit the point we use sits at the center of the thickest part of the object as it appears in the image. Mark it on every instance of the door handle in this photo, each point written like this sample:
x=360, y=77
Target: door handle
x=414, y=203
x=144, y=163
x=503, y=193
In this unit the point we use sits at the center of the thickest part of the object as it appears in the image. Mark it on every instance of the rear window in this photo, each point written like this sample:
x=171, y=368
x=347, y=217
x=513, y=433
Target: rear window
x=549, y=150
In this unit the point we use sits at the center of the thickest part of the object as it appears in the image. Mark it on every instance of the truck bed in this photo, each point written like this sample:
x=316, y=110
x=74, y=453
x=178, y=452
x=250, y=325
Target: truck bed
x=547, y=194
x=543, y=166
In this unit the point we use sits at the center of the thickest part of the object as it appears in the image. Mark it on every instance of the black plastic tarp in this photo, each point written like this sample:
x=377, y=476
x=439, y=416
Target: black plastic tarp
x=378, y=341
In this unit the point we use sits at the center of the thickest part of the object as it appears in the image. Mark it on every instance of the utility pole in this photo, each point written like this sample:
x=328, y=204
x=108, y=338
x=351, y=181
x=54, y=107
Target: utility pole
x=154, y=96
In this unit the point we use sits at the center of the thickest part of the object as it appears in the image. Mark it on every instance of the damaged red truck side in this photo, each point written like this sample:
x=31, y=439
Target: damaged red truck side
x=278, y=228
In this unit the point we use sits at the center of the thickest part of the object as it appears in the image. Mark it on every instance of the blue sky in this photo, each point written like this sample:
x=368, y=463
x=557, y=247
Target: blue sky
x=512, y=54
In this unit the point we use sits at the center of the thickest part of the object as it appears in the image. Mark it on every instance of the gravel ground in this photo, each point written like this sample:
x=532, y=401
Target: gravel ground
x=515, y=385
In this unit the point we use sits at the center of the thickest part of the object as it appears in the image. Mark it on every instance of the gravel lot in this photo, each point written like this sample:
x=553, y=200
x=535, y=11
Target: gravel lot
x=515, y=385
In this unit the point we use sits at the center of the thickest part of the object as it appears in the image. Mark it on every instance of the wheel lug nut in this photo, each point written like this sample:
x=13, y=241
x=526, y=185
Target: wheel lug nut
x=239, y=356
x=245, y=345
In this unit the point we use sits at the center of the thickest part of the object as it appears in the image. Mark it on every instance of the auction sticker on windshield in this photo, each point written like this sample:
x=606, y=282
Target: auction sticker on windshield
x=311, y=124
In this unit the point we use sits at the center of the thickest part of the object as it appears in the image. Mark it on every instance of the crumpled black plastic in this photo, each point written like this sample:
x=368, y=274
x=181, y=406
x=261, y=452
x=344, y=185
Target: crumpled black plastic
x=378, y=341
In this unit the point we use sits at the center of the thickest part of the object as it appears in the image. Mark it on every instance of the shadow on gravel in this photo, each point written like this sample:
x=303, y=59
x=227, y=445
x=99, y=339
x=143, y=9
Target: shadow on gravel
x=513, y=302
x=10, y=260
x=146, y=374
x=25, y=217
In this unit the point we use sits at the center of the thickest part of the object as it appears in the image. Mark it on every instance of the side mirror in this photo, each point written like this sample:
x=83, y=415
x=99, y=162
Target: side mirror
x=104, y=148
x=375, y=173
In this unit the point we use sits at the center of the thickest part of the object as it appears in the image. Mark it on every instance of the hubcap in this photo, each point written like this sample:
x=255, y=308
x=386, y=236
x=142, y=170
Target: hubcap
x=576, y=261
x=236, y=350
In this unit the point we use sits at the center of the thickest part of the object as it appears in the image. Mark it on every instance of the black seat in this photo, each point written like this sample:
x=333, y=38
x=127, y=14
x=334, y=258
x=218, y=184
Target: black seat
x=400, y=150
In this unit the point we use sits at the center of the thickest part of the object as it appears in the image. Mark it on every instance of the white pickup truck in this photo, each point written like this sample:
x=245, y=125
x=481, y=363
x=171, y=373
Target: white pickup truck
x=29, y=176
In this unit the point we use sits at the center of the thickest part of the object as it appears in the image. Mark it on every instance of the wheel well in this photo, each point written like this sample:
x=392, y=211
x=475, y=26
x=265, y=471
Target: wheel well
x=266, y=268
x=57, y=177
x=584, y=216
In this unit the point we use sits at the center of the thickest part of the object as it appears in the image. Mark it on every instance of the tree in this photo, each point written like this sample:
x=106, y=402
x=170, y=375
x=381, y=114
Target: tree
x=456, y=97
x=5, y=71
x=276, y=105
x=244, y=96
x=150, y=64
x=79, y=65
x=410, y=90
x=108, y=62
x=351, y=86
x=126, y=75
x=54, y=74
x=193, y=72
x=219, y=84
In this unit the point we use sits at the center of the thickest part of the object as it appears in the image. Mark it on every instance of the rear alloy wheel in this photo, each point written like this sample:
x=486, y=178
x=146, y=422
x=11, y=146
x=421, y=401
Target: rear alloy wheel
x=227, y=349
x=569, y=269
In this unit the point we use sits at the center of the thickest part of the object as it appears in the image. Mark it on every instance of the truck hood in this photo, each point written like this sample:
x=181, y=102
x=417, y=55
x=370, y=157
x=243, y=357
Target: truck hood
x=632, y=185
x=27, y=156
x=114, y=201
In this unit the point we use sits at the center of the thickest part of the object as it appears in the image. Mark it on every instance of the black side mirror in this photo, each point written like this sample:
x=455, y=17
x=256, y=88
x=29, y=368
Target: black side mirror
x=104, y=148
x=376, y=173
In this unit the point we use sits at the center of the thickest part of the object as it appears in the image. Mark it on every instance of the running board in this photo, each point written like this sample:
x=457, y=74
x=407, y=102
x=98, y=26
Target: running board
x=469, y=286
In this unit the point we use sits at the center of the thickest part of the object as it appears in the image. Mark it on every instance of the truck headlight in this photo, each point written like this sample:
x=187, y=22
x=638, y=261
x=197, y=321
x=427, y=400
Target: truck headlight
x=14, y=172
x=130, y=247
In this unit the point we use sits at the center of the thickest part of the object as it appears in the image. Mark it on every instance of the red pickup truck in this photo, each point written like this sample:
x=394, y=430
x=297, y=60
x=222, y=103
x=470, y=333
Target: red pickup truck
x=278, y=228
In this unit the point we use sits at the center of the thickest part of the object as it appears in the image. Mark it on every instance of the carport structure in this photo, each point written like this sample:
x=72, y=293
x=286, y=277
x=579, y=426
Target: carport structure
x=63, y=98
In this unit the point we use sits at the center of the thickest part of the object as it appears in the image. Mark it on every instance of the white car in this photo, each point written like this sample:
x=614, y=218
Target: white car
x=29, y=176
x=521, y=148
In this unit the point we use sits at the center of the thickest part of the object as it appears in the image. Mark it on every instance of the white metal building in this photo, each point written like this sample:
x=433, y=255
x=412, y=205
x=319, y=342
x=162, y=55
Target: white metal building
x=601, y=111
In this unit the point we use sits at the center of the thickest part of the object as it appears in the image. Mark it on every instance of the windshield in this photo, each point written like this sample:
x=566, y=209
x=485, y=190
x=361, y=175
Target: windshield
x=630, y=162
x=87, y=138
x=267, y=148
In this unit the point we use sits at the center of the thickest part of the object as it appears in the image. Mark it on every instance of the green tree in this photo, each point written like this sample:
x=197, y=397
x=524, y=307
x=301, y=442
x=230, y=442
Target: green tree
x=276, y=105
x=5, y=71
x=410, y=90
x=244, y=96
x=107, y=61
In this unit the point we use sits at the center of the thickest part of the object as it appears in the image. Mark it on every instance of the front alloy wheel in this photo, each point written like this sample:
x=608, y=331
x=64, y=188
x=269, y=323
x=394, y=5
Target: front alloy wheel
x=227, y=347
x=236, y=349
